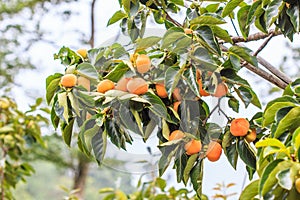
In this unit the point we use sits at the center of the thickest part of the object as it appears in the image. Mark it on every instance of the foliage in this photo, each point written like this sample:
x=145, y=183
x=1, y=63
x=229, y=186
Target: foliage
x=177, y=56
x=279, y=152
x=155, y=189
x=18, y=132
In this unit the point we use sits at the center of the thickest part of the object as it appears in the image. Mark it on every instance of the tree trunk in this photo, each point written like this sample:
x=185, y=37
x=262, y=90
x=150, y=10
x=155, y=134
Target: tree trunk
x=81, y=173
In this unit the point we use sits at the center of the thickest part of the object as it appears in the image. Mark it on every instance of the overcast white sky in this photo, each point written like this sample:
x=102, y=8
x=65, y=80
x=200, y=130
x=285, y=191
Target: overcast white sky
x=33, y=82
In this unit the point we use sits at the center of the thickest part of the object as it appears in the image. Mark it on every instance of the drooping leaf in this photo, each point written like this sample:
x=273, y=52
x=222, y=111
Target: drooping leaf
x=117, y=16
x=87, y=70
x=168, y=152
x=196, y=176
x=52, y=83
x=250, y=191
x=172, y=77
x=99, y=143
x=208, y=40
x=242, y=19
x=246, y=153
x=271, y=110
x=243, y=53
x=230, y=6
x=290, y=122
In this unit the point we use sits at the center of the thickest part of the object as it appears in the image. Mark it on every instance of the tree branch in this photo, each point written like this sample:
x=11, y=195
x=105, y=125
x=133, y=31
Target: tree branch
x=262, y=73
x=92, y=38
x=264, y=44
x=255, y=37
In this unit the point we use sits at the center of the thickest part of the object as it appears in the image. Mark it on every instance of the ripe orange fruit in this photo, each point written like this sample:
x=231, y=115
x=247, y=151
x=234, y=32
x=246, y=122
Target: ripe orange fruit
x=68, y=80
x=176, y=94
x=122, y=84
x=214, y=151
x=176, y=135
x=297, y=185
x=201, y=90
x=137, y=86
x=86, y=83
x=82, y=52
x=221, y=90
x=161, y=90
x=176, y=105
x=250, y=137
x=188, y=31
x=193, y=147
x=105, y=85
x=239, y=127
x=143, y=63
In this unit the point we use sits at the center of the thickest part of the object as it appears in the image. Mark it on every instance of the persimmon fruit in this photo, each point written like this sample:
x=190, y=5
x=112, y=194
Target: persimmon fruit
x=137, y=86
x=105, y=85
x=176, y=135
x=188, y=31
x=143, y=63
x=193, y=147
x=221, y=90
x=176, y=105
x=86, y=83
x=161, y=90
x=82, y=52
x=239, y=127
x=297, y=185
x=202, y=92
x=214, y=151
x=122, y=84
x=68, y=80
x=251, y=136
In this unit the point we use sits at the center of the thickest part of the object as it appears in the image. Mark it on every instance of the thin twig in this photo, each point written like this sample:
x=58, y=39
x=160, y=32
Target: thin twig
x=212, y=111
x=264, y=44
x=235, y=29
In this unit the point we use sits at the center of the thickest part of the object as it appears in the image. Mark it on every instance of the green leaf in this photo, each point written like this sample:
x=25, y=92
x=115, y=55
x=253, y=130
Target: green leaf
x=273, y=11
x=270, y=142
x=157, y=106
x=117, y=72
x=116, y=17
x=202, y=57
x=189, y=166
x=251, y=14
x=234, y=104
x=147, y=42
x=197, y=177
x=87, y=70
x=243, y=53
x=207, y=39
x=178, y=2
x=87, y=132
x=296, y=138
x=289, y=123
x=242, y=19
x=190, y=75
x=171, y=37
x=294, y=14
x=230, y=150
x=230, y=6
x=266, y=174
x=67, y=132
x=207, y=19
x=99, y=143
x=180, y=163
x=168, y=153
x=52, y=83
x=172, y=77
x=221, y=33
x=271, y=110
x=284, y=179
x=116, y=133
x=246, y=154
x=250, y=191
x=271, y=180
x=63, y=105
x=129, y=120
x=161, y=183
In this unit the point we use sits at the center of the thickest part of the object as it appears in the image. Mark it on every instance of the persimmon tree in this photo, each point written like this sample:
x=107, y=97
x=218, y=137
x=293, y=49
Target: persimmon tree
x=19, y=131
x=159, y=84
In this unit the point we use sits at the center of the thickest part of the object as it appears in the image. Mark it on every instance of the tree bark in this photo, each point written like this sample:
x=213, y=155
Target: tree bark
x=81, y=173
